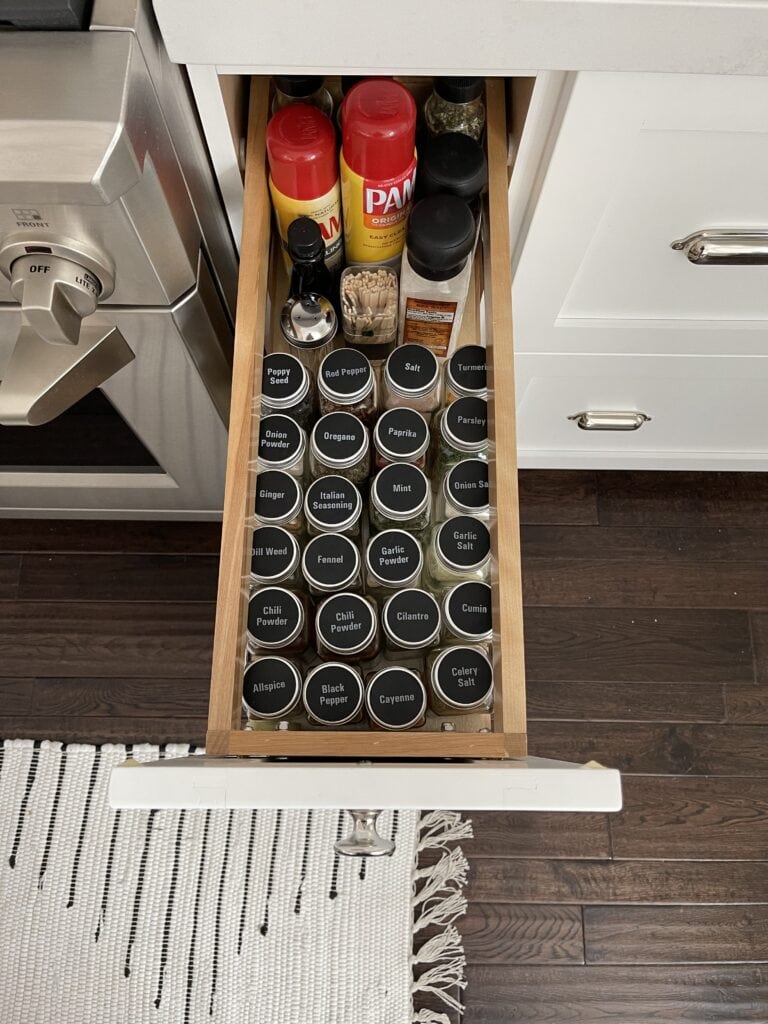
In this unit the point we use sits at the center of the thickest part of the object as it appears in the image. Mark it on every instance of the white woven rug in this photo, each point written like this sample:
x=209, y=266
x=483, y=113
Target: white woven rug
x=184, y=917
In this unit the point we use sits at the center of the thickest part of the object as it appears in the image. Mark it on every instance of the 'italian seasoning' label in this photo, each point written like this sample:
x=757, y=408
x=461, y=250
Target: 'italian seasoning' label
x=429, y=322
x=332, y=502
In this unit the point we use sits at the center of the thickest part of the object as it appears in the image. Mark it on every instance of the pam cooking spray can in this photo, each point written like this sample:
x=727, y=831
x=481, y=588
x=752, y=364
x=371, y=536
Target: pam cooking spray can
x=378, y=169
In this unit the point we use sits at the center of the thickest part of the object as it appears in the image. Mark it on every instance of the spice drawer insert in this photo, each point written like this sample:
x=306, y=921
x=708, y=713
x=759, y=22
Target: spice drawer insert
x=261, y=290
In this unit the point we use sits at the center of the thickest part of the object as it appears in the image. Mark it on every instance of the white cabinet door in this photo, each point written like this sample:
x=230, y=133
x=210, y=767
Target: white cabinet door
x=632, y=163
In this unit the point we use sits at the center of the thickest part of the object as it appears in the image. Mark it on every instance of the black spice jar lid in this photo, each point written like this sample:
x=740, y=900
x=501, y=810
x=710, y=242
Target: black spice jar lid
x=458, y=88
x=346, y=623
x=465, y=424
x=401, y=435
x=441, y=235
x=462, y=677
x=339, y=439
x=275, y=617
x=394, y=558
x=396, y=698
x=463, y=543
x=411, y=618
x=284, y=380
x=466, y=370
x=278, y=497
x=281, y=441
x=412, y=370
x=333, y=693
x=274, y=554
x=400, y=491
x=271, y=687
x=330, y=562
x=345, y=376
x=298, y=85
x=332, y=503
x=305, y=240
x=466, y=486
x=467, y=611
x=452, y=163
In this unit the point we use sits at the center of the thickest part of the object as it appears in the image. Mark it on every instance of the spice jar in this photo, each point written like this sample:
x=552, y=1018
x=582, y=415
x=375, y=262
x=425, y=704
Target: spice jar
x=330, y=563
x=400, y=494
x=411, y=377
x=309, y=89
x=306, y=251
x=333, y=504
x=282, y=445
x=278, y=619
x=271, y=687
x=393, y=560
x=400, y=435
x=455, y=164
x=458, y=549
x=460, y=430
x=278, y=500
x=460, y=681
x=346, y=383
x=347, y=626
x=369, y=309
x=435, y=272
x=464, y=491
x=466, y=374
x=467, y=613
x=275, y=556
x=395, y=699
x=286, y=388
x=410, y=621
x=333, y=694
x=309, y=327
x=456, y=105
x=340, y=444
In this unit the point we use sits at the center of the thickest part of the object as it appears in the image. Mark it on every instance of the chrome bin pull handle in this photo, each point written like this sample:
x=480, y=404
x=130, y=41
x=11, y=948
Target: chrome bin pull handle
x=594, y=420
x=723, y=247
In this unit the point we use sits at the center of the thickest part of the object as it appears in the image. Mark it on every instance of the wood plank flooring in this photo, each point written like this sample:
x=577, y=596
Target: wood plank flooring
x=647, y=648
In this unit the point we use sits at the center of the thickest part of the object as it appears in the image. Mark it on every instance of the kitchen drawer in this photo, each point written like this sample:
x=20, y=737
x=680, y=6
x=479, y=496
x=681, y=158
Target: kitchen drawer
x=692, y=412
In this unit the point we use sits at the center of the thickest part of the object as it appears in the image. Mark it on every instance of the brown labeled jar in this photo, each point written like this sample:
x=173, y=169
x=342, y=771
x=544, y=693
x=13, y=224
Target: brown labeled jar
x=458, y=549
x=333, y=504
x=279, y=500
x=393, y=560
x=333, y=694
x=460, y=681
x=286, y=388
x=466, y=374
x=282, y=445
x=410, y=621
x=271, y=688
x=400, y=494
x=401, y=435
x=275, y=557
x=395, y=699
x=346, y=383
x=278, y=619
x=411, y=376
x=340, y=444
x=464, y=491
x=347, y=626
x=467, y=615
x=330, y=563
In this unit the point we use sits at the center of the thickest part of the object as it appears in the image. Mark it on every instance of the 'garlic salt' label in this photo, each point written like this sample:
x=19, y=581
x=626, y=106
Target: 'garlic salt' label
x=375, y=214
x=429, y=322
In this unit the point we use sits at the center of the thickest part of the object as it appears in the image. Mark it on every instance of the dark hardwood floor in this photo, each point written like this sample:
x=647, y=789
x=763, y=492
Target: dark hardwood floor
x=647, y=648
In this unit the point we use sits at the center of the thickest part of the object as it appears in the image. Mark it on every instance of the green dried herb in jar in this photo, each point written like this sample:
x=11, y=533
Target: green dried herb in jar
x=410, y=621
x=340, y=444
x=275, y=557
x=459, y=431
x=400, y=494
x=332, y=504
x=456, y=105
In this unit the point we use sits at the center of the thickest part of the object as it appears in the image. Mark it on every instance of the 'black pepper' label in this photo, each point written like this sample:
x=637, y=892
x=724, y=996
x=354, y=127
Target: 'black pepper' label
x=468, y=610
x=463, y=542
x=401, y=489
x=401, y=433
x=463, y=676
x=346, y=623
x=394, y=556
x=467, y=485
x=412, y=617
x=275, y=616
x=396, y=698
x=270, y=687
x=333, y=694
x=332, y=501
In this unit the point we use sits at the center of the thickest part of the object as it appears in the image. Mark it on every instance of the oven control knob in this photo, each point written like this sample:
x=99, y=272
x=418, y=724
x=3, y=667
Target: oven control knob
x=55, y=294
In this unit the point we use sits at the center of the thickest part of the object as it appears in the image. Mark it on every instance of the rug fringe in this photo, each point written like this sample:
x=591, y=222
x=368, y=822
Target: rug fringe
x=431, y=1017
x=439, y=828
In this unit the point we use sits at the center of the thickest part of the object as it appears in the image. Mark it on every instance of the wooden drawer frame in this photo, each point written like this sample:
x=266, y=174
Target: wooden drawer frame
x=225, y=734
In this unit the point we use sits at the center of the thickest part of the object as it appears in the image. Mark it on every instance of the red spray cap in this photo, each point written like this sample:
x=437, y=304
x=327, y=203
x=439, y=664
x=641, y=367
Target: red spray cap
x=301, y=148
x=379, y=121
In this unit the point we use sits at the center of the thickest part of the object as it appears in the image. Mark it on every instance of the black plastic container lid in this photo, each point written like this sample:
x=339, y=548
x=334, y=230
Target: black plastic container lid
x=466, y=486
x=467, y=369
x=339, y=438
x=400, y=491
x=278, y=496
x=280, y=439
x=463, y=543
x=346, y=623
x=346, y=375
x=413, y=369
x=401, y=434
x=462, y=676
x=332, y=503
x=305, y=240
x=394, y=557
x=465, y=424
x=284, y=380
x=331, y=561
x=396, y=698
x=467, y=611
x=298, y=85
x=453, y=163
x=333, y=693
x=411, y=618
x=274, y=553
x=458, y=89
x=275, y=616
x=271, y=687
x=441, y=234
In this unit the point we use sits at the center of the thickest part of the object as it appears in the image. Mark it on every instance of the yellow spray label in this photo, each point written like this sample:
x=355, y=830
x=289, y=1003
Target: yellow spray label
x=375, y=214
x=325, y=210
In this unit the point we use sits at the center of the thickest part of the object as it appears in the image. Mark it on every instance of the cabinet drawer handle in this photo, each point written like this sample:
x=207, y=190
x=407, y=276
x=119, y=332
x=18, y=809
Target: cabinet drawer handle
x=364, y=840
x=715, y=247
x=609, y=420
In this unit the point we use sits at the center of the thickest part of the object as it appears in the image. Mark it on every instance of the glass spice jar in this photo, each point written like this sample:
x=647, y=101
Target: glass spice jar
x=278, y=619
x=333, y=694
x=400, y=435
x=286, y=388
x=464, y=491
x=330, y=563
x=456, y=105
x=411, y=376
x=410, y=621
x=275, y=557
x=401, y=494
x=332, y=504
x=309, y=328
x=460, y=680
x=393, y=560
x=458, y=549
x=279, y=500
x=347, y=626
x=340, y=444
x=271, y=688
x=395, y=699
x=466, y=374
x=309, y=89
x=467, y=613
x=459, y=431
x=346, y=383
x=282, y=445
x=452, y=163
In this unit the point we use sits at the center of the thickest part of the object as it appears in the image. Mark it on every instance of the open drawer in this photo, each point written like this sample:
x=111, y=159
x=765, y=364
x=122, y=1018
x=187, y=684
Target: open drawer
x=478, y=760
